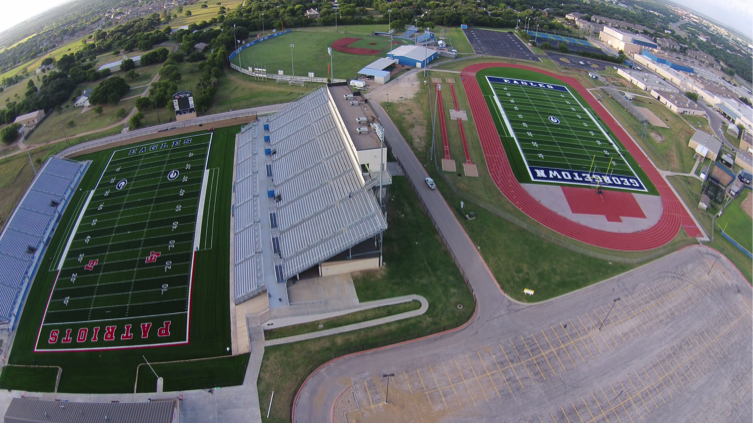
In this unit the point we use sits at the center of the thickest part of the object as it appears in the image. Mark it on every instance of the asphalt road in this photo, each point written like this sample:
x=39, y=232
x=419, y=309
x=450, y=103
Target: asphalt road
x=675, y=347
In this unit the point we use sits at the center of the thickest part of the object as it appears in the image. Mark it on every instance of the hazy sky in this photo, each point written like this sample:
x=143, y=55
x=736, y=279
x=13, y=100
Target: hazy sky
x=735, y=13
x=17, y=11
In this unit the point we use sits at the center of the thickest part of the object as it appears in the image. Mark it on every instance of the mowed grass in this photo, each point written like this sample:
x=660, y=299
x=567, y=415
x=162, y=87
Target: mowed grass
x=30, y=379
x=671, y=153
x=55, y=125
x=309, y=54
x=115, y=371
x=736, y=223
x=416, y=262
x=353, y=318
x=198, y=14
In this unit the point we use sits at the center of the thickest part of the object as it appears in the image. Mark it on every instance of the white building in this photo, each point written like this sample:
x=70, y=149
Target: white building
x=626, y=41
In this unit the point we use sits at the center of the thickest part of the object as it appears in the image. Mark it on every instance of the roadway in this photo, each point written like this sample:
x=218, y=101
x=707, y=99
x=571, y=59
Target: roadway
x=681, y=333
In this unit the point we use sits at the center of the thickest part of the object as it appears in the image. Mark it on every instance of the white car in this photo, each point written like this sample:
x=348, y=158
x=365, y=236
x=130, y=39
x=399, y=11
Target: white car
x=581, y=62
x=430, y=183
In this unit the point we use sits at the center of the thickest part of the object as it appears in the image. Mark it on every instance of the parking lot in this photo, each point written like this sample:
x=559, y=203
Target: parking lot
x=574, y=62
x=496, y=43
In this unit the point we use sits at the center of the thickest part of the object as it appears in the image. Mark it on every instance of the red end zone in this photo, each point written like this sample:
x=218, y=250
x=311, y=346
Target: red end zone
x=674, y=216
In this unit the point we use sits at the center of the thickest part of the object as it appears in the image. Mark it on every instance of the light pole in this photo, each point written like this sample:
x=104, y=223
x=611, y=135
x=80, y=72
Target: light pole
x=537, y=34
x=336, y=8
x=387, y=376
x=236, y=40
x=389, y=28
x=262, y=24
x=610, y=311
x=331, y=66
x=240, y=61
x=292, y=63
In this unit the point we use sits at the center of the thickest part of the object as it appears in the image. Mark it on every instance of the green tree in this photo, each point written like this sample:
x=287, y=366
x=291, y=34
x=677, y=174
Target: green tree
x=136, y=120
x=188, y=13
x=9, y=134
x=121, y=113
x=127, y=65
x=98, y=110
x=691, y=95
x=563, y=48
x=204, y=6
x=143, y=103
x=132, y=75
x=71, y=124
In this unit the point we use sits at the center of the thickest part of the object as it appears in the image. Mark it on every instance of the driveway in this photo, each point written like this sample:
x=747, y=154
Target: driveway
x=675, y=346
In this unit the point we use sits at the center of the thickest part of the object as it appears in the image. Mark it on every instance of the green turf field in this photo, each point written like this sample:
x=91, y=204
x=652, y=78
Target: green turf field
x=310, y=54
x=125, y=276
x=552, y=136
x=113, y=370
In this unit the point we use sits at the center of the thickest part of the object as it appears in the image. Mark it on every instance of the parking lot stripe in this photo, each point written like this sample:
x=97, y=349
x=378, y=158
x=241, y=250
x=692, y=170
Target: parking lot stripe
x=464, y=382
x=554, y=350
x=638, y=392
x=597, y=404
x=587, y=408
x=369, y=393
x=513, y=368
x=579, y=336
x=544, y=354
x=534, y=361
x=566, y=417
x=602, y=337
x=563, y=346
x=500, y=371
x=488, y=374
x=476, y=378
x=453, y=386
x=523, y=363
x=576, y=411
x=631, y=401
x=666, y=389
x=439, y=389
x=552, y=415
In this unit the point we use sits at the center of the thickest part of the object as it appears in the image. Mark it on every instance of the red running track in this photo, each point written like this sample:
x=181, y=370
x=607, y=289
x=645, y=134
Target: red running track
x=674, y=216
x=460, y=125
x=442, y=125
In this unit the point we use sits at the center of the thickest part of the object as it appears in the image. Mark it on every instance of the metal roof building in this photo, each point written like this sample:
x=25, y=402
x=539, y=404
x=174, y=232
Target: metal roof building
x=300, y=197
x=377, y=68
x=27, y=410
x=29, y=229
x=115, y=66
x=415, y=56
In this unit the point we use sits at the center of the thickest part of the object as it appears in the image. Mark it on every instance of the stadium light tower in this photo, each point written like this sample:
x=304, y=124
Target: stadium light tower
x=336, y=8
x=292, y=63
x=262, y=24
x=537, y=34
x=331, y=66
x=389, y=28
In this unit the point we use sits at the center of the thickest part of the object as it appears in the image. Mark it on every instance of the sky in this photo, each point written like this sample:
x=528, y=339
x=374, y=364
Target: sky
x=735, y=13
x=17, y=11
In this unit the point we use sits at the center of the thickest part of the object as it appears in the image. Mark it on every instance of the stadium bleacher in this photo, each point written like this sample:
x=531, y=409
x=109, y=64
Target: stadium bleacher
x=27, y=232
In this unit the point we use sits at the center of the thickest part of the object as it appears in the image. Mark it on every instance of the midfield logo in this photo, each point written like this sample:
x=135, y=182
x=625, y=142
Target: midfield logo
x=172, y=175
x=153, y=257
x=92, y=263
x=121, y=184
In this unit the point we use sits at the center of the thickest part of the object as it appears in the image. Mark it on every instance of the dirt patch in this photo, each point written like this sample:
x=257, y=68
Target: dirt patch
x=657, y=137
x=564, y=60
x=747, y=205
x=652, y=118
x=342, y=44
x=403, y=88
x=372, y=44
x=721, y=176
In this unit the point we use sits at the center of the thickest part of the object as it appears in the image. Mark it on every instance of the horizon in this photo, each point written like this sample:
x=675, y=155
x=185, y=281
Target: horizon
x=737, y=15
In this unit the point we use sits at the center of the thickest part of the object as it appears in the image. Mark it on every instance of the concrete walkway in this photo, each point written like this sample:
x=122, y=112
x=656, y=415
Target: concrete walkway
x=352, y=327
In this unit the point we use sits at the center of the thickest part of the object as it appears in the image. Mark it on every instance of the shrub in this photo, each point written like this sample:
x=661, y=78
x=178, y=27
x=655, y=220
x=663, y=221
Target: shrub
x=9, y=134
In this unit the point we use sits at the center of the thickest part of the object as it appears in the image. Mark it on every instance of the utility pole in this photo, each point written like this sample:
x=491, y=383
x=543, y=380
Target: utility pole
x=331, y=69
x=31, y=162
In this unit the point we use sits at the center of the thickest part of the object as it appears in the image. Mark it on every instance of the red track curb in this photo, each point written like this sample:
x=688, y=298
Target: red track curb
x=674, y=216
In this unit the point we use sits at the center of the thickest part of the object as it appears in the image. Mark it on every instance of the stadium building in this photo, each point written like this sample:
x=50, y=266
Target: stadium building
x=28, y=231
x=184, y=107
x=307, y=194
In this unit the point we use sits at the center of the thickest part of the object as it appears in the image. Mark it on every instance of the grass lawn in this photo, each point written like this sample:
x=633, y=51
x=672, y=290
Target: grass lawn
x=510, y=251
x=55, y=125
x=194, y=375
x=198, y=14
x=310, y=54
x=115, y=371
x=426, y=269
x=672, y=152
x=71, y=46
x=732, y=140
x=736, y=223
x=29, y=379
x=698, y=122
x=340, y=321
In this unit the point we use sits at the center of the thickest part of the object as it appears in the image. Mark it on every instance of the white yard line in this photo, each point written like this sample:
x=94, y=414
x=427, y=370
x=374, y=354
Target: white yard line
x=75, y=228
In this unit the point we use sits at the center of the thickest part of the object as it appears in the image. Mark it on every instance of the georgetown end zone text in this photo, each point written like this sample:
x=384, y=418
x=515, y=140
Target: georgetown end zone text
x=125, y=277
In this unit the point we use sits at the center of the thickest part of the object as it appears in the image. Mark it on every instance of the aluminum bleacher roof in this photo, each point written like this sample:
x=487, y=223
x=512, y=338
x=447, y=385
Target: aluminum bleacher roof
x=320, y=203
x=29, y=228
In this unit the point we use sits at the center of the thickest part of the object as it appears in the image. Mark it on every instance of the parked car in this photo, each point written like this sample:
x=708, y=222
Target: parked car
x=581, y=62
x=745, y=177
x=430, y=183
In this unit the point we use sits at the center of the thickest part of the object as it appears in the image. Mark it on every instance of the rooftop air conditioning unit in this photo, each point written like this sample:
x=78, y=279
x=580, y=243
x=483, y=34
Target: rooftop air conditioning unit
x=362, y=120
x=363, y=130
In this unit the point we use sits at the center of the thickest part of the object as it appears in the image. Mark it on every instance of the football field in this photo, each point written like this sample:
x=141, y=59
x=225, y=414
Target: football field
x=559, y=140
x=125, y=276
